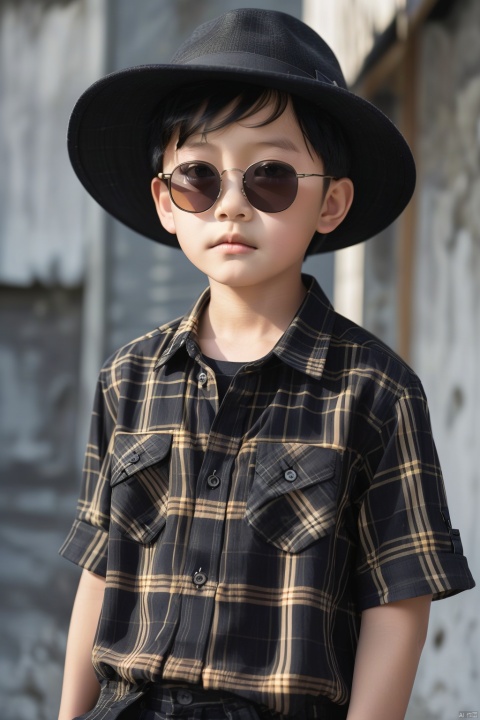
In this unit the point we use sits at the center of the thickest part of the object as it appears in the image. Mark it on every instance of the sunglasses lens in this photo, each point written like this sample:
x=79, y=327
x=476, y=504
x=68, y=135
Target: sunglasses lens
x=194, y=186
x=271, y=186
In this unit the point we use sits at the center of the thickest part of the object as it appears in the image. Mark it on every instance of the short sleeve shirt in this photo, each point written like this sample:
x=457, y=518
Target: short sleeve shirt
x=241, y=541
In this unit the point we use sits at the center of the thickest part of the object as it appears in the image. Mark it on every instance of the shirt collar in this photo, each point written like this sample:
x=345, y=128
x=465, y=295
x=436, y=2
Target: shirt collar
x=304, y=344
x=187, y=329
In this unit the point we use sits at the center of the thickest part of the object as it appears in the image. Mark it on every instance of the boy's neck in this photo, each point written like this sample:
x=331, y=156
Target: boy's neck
x=244, y=324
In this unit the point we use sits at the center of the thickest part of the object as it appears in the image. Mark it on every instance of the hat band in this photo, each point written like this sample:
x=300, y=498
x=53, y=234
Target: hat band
x=249, y=61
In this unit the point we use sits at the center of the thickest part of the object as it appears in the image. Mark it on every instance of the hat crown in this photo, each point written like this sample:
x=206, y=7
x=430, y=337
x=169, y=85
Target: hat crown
x=257, y=36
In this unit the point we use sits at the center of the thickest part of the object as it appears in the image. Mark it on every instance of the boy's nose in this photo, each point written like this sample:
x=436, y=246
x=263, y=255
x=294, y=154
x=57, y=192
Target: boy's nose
x=232, y=201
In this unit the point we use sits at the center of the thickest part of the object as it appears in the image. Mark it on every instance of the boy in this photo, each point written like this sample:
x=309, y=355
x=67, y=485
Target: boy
x=263, y=523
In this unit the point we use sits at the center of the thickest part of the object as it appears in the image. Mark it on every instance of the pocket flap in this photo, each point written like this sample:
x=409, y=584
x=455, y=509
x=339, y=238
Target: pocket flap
x=287, y=467
x=134, y=452
x=292, y=500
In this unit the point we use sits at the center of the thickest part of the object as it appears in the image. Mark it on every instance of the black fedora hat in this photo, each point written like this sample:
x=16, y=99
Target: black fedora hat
x=108, y=130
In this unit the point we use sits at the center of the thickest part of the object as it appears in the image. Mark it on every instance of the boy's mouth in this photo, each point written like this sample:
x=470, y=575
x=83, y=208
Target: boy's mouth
x=233, y=241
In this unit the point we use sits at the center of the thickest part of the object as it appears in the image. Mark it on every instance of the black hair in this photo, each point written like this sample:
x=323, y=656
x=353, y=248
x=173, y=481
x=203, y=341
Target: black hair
x=200, y=108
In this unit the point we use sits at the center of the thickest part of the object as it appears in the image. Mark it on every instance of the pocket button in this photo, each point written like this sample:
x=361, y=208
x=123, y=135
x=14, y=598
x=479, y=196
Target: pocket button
x=134, y=457
x=290, y=475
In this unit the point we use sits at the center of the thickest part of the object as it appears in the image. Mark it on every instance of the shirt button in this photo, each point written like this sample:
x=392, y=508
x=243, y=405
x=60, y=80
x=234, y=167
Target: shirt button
x=184, y=697
x=134, y=457
x=290, y=475
x=199, y=578
x=213, y=481
x=202, y=378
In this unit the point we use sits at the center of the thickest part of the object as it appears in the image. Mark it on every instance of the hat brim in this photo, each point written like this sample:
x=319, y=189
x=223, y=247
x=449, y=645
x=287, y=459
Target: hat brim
x=109, y=127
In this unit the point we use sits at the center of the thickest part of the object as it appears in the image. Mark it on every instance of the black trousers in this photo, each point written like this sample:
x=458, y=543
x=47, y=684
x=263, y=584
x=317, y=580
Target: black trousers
x=191, y=704
x=156, y=702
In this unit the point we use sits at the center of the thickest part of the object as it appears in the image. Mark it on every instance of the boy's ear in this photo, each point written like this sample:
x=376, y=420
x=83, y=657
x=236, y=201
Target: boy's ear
x=163, y=204
x=336, y=204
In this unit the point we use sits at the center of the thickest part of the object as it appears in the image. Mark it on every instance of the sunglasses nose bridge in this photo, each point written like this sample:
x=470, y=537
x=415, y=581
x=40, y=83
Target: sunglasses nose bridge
x=233, y=169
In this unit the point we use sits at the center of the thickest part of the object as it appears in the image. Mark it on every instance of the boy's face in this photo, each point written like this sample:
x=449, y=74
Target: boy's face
x=233, y=243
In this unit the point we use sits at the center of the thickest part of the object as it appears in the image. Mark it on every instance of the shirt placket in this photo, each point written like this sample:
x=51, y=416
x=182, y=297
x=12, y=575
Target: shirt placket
x=203, y=557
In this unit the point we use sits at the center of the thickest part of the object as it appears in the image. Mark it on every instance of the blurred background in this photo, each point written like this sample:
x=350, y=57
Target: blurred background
x=75, y=285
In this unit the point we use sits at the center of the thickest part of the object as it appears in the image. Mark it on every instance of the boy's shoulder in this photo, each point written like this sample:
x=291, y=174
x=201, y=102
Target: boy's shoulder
x=354, y=349
x=347, y=348
x=145, y=349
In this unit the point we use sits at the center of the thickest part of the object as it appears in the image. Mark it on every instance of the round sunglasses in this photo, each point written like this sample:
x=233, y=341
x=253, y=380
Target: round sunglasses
x=270, y=185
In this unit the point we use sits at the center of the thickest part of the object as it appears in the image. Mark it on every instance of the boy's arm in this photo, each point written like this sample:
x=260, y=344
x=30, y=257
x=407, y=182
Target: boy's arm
x=80, y=686
x=390, y=644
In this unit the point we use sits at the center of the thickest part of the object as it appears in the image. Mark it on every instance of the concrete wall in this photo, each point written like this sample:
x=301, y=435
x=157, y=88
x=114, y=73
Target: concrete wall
x=446, y=336
x=445, y=339
x=47, y=54
x=38, y=421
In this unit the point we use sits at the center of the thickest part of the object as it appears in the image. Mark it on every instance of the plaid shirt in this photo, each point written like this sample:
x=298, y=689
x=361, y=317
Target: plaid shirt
x=241, y=542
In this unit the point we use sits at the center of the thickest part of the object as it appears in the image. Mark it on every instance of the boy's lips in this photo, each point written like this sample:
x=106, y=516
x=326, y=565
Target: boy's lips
x=233, y=241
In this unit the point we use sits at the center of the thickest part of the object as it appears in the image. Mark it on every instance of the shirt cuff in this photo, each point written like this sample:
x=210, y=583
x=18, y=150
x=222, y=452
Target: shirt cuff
x=87, y=546
x=438, y=575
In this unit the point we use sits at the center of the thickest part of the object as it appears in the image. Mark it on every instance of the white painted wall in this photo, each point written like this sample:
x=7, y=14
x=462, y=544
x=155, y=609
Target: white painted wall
x=48, y=54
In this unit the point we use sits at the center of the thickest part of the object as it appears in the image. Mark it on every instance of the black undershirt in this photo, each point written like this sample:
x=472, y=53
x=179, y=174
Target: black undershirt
x=224, y=371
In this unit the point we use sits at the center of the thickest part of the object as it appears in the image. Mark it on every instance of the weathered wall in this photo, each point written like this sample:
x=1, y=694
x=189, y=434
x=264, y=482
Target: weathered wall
x=44, y=62
x=39, y=347
x=446, y=339
x=353, y=27
x=352, y=41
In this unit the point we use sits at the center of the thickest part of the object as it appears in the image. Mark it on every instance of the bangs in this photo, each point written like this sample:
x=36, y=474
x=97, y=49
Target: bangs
x=220, y=110
x=203, y=109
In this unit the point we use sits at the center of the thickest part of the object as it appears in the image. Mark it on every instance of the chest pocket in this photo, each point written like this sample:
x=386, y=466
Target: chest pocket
x=292, y=501
x=139, y=482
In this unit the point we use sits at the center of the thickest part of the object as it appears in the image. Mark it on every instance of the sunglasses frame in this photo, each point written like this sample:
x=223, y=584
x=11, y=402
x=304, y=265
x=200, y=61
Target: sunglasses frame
x=167, y=177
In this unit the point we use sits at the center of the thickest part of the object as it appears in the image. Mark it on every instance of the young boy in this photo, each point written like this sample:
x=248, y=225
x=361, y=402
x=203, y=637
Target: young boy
x=263, y=522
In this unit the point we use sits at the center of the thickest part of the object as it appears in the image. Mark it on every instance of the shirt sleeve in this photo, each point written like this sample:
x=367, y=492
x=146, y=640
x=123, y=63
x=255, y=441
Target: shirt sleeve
x=86, y=544
x=407, y=546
